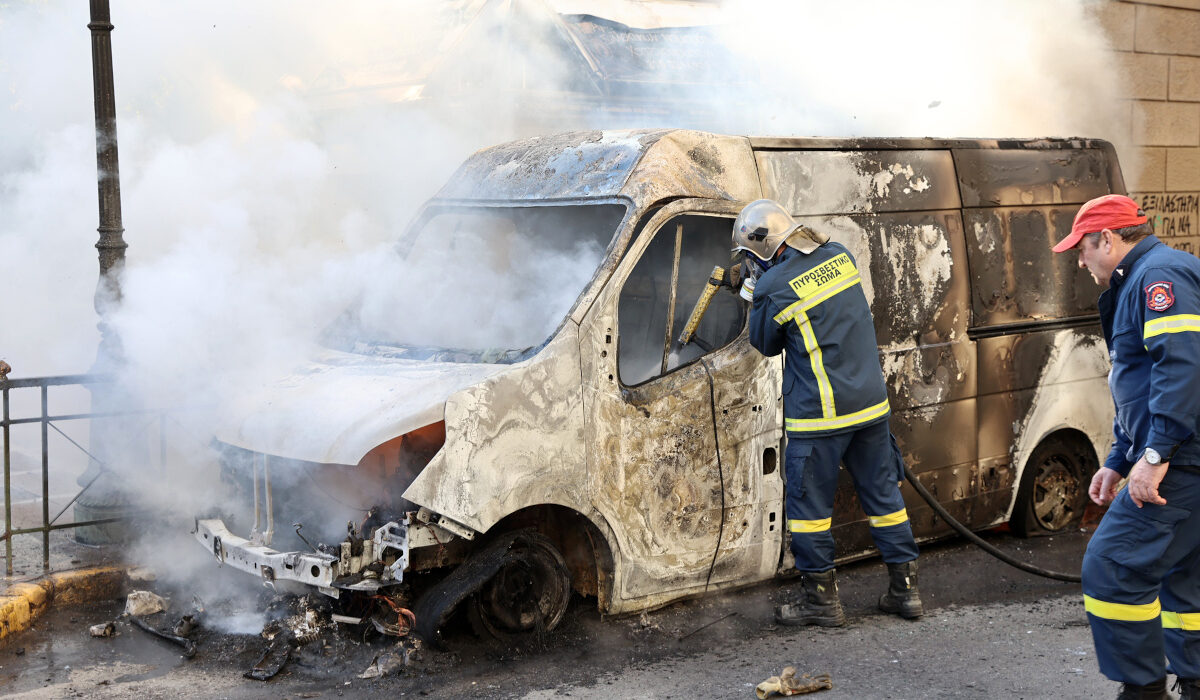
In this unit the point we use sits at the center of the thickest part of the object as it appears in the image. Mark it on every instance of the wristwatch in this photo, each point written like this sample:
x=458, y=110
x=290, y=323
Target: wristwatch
x=1152, y=456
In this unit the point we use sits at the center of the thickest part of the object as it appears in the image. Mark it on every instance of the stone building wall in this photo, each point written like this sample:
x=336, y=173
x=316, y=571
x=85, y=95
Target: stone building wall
x=1158, y=51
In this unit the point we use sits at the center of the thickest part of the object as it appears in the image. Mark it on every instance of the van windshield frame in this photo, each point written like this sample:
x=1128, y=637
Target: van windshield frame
x=481, y=282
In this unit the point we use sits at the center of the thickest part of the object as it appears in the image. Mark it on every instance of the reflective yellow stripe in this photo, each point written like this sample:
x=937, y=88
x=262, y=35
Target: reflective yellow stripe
x=1189, y=622
x=809, y=525
x=839, y=287
x=817, y=360
x=900, y=516
x=1180, y=323
x=1121, y=611
x=801, y=425
x=786, y=315
x=808, y=302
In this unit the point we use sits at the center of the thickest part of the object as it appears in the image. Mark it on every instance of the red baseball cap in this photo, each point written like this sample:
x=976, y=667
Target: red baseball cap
x=1112, y=211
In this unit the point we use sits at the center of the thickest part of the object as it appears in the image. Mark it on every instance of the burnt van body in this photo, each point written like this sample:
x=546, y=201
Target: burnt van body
x=600, y=456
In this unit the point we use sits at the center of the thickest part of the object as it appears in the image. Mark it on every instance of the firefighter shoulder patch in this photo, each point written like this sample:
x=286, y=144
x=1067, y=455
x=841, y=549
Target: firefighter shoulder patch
x=1159, y=296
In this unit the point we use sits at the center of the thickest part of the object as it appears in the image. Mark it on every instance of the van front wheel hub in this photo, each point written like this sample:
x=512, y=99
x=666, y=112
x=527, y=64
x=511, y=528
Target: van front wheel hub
x=528, y=595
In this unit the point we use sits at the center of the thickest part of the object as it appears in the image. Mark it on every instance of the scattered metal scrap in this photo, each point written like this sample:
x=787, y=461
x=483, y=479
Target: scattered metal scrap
x=189, y=647
x=390, y=661
x=293, y=622
x=303, y=620
x=143, y=603
x=189, y=622
x=788, y=683
x=272, y=660
x=308, y=620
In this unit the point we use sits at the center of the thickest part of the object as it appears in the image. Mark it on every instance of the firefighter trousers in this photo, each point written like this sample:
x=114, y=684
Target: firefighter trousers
x=875, y=465
x=1141, y=584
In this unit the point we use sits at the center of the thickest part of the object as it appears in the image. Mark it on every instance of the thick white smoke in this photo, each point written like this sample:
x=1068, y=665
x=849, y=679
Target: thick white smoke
x=262, y=180
x=930, y=68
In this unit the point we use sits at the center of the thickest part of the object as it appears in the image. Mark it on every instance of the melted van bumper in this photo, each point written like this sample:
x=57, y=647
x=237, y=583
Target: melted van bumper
x=310, y=568
x=388, y=547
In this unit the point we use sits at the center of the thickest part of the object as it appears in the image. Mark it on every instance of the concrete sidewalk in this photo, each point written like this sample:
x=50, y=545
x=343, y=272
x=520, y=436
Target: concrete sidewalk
x=77, y=574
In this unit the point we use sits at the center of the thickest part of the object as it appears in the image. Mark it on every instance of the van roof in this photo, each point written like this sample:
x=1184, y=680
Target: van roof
x=650, y=165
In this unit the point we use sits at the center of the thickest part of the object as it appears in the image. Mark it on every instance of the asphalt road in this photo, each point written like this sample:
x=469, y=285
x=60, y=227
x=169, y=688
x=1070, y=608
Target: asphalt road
x=990, y=631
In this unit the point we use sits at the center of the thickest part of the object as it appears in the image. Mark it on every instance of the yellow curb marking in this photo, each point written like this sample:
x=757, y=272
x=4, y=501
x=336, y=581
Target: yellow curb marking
x=22, y=603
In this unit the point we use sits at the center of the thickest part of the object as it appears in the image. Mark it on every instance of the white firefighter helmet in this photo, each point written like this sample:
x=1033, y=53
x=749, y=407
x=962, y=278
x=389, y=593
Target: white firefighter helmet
x=764, y=225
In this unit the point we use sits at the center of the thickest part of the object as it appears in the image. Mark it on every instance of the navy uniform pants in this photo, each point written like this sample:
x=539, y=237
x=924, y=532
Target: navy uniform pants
x=1141, y=584
x=875, y=465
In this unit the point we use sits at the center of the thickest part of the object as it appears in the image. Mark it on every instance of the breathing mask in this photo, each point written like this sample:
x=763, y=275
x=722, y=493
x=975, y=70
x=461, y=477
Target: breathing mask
x=751, y=269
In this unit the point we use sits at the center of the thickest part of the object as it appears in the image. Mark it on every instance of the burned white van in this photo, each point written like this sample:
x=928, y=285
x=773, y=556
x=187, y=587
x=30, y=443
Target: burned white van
x=497, y=466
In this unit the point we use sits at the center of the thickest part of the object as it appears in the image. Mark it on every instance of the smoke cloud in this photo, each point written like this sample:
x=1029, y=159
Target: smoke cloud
x=271, y=153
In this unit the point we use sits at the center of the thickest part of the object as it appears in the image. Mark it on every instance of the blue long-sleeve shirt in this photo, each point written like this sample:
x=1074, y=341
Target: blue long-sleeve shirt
x=1151, y=319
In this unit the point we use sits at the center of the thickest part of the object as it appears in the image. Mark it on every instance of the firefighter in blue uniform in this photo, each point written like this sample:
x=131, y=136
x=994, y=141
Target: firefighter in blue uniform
x=808, y=300
x=1141, y=573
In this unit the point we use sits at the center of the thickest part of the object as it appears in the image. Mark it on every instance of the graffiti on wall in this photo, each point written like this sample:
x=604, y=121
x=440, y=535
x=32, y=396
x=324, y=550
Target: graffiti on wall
x=1176, y=217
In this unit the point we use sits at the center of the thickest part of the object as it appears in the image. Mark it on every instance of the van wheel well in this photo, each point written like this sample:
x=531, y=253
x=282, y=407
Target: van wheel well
x=1054, y=484
x=577, y=539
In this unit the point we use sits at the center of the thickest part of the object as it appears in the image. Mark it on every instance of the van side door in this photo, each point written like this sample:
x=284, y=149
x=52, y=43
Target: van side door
x=666, y=468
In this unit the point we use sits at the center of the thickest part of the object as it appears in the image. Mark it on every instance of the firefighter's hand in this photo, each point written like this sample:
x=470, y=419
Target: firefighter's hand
x=1144, y=479
x=1104, y=486
x=734, y=277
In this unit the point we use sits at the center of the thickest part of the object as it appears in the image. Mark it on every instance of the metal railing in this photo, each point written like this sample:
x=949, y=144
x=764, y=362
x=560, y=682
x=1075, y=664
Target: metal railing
x=50, y=422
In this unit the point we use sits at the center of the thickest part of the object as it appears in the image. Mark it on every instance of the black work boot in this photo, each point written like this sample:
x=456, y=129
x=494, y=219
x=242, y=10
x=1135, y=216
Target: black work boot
x=902, y=597
x=818, y=604
x=1188, y=688
x=1154, y=691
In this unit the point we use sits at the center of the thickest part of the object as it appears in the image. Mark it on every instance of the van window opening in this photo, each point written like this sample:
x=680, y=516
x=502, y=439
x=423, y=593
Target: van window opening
x=479, y=284
x=658, y=296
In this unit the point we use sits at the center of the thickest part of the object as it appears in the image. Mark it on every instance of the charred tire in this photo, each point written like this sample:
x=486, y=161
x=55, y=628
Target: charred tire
x=527, y=597
x=1053, y=489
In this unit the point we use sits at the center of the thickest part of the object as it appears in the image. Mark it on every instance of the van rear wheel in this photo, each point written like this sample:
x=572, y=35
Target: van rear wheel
x=527, y=597
x=1053, y=489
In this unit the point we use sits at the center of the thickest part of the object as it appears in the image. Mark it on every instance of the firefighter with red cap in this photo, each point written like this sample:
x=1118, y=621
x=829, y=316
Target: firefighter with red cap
x=1141, y=572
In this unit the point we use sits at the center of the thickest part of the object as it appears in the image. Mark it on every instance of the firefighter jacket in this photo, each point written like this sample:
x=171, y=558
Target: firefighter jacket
x=814, y=307
x=1151, y=319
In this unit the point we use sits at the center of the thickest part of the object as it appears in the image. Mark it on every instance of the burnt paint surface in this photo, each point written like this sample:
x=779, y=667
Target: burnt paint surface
x=645, y=166
x=749, y=414
x=860, y=181
x=1044, y=379
x=513, y=441
x=560, y=166
x=652, y=466
x=674, y=474
x=1017, y=177
x=1016, y=277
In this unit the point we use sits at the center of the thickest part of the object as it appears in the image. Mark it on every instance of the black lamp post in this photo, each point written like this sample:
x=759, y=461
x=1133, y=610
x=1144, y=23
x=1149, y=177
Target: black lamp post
x=111, y=245
x=102, y=496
